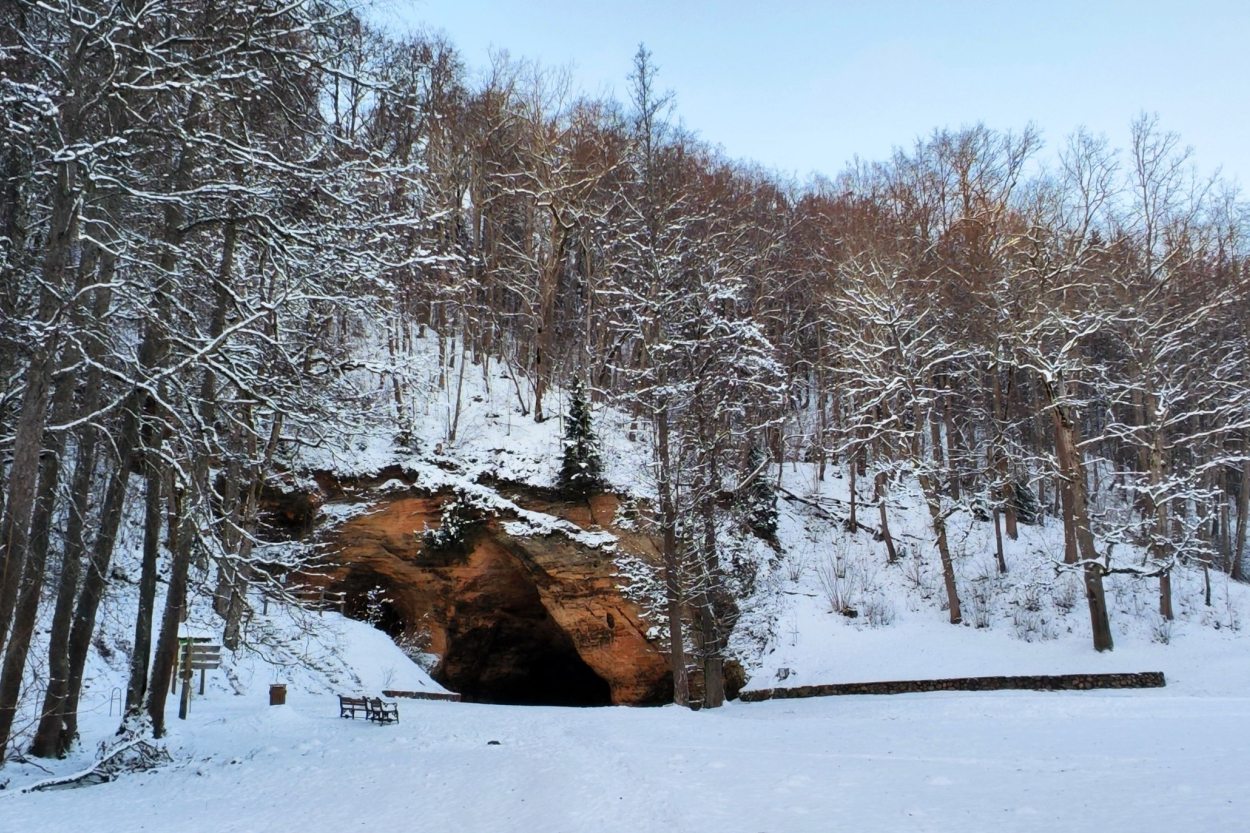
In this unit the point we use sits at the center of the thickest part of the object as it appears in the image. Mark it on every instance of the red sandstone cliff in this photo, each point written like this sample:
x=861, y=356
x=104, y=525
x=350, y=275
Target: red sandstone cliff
x=512, y=619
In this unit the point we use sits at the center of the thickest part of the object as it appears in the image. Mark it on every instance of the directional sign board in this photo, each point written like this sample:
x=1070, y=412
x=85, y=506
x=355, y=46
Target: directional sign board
x=199, y=655
x=195, y=653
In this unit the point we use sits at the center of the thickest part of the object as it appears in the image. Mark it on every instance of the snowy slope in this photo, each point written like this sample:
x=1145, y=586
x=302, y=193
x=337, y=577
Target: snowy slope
x=314, y=654
x=1032, y=620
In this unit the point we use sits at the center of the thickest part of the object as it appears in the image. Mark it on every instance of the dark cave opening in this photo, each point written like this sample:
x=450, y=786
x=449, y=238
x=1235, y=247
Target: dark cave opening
x=507, y=649
x=509, y=666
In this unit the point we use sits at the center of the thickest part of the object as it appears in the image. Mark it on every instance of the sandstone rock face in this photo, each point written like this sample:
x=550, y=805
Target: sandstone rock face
x=512, y=619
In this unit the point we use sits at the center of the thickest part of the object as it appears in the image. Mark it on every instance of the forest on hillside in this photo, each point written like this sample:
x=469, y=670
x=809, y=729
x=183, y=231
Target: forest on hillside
x=212, y=214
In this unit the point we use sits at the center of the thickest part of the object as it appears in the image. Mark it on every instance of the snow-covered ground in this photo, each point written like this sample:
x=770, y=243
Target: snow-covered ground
x=1158, y=760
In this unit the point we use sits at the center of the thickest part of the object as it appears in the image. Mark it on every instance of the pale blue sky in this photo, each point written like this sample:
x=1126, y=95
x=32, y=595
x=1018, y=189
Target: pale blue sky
x=803, y=86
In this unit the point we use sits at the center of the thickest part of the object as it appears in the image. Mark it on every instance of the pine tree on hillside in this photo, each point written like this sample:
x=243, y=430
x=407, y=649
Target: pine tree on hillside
x=581, y=473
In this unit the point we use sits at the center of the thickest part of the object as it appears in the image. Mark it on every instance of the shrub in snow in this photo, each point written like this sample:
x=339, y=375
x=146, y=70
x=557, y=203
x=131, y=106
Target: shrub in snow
x=375, y=606
x=1032, y=626
x=796, y=564
x=416, y=646
x=914, y=572
x=981, y=508
x=878, y=610
x=978, y=604
x=1232, y=618
x=1065, y=595
x=1161, y=630
x=1031, y=598
x=459, y=516
x=831, y=574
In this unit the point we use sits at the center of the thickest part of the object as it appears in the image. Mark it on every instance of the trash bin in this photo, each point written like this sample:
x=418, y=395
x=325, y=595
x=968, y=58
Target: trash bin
x=277, y=695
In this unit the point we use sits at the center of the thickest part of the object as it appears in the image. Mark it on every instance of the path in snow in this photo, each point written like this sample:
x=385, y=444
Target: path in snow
x=1016, y=761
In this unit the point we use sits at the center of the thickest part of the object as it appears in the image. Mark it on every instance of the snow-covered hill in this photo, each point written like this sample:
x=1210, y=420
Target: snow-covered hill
x=1033, y=619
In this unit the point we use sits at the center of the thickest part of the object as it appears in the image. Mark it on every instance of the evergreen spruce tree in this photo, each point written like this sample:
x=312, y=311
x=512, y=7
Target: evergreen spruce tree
x=581, y=473
x=1028, y=510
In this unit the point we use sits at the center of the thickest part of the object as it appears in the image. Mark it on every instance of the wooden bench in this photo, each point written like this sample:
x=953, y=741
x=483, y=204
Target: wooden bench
x=383, y=712
x=372, y=708
x=352, y=706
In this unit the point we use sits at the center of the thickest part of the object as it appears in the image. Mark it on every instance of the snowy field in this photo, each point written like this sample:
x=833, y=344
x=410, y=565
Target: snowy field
x=1099, y=761
x=1152, y=760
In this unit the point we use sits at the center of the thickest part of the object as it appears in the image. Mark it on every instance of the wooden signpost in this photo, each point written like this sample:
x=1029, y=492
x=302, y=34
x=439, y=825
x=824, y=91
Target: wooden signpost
x=195, y=653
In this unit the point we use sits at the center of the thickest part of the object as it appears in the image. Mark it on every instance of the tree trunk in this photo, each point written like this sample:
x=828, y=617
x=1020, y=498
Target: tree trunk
x=455, y=419
x=231, y=526
x=28, y=435
x=1009, y=510
x=1160, y=547
x=175, y=602
x=1067, y=447
x=544, y=338
x=1007, y=489
x=1223, y=517
x=711, y=581
x=933, y=499
x=822, y=437
x=879, y=489
x=672, y=562
x=237, y=606
x=182, y=525
x=852, y=521
x=953, y=450
x=998, y=541
x=1069, y=519
x=936, y=448
x=1165, y=594
x=141, y=655
x=48, y=735
x=97, y=570
x=27, y=609
x=1243, y=509
x=23, y=477
x=152, y=351
x=709, y=622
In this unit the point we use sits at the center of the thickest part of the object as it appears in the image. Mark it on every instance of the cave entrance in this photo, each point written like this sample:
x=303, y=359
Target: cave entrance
x=520, y=666
x=504, y=647
x=499, y=643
